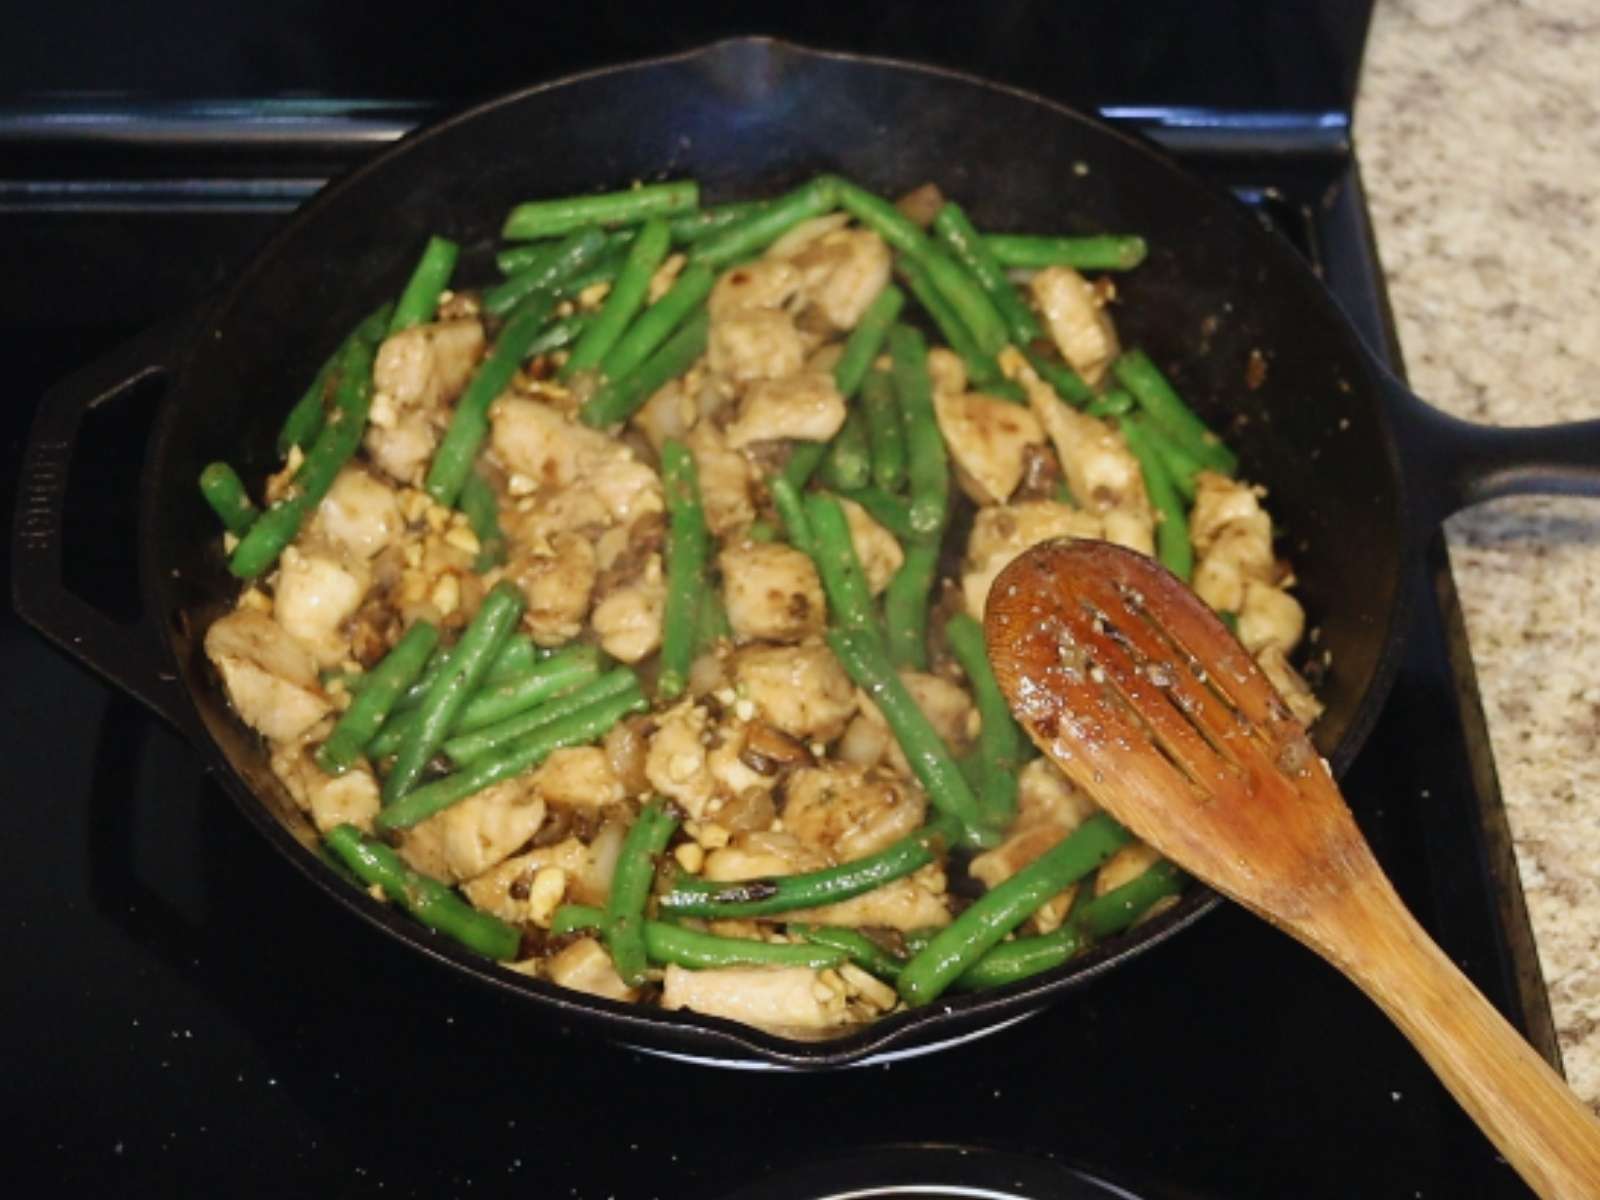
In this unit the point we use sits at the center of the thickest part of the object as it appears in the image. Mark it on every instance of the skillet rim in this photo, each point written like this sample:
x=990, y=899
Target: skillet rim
x=693, y=1032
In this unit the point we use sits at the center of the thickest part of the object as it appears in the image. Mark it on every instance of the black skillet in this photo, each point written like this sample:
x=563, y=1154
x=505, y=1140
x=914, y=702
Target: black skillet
x=1360, y=472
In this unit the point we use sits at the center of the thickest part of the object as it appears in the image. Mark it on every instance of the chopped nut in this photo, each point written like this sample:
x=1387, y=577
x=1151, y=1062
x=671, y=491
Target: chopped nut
x=414, y=503
x=710, y=835
x=446, y=595
x=521, y=485
x=230, y=543
x=413, y=553
x=592, y=295
x=382, y=411
x=463, y=538
x=257, y=599
x=691, y=857
x=868, y=987
x=438, y=518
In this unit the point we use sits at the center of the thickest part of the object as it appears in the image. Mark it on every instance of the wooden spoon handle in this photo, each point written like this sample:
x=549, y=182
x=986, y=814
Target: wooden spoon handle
x=1545, y=1132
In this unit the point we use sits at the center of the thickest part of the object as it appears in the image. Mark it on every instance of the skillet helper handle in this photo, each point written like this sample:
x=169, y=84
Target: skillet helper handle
x=131, y=655
x=1452, y=464
x=1549, y=1136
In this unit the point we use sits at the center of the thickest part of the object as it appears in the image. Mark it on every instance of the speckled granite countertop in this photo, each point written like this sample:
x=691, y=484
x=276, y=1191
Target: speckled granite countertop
x=1478, y=129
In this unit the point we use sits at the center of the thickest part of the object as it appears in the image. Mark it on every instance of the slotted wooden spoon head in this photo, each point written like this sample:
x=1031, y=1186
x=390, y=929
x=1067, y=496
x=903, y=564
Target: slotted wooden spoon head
x=1140, y=694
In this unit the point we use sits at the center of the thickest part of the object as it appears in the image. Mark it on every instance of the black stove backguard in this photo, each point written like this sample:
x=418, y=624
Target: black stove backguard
x=185, y=1015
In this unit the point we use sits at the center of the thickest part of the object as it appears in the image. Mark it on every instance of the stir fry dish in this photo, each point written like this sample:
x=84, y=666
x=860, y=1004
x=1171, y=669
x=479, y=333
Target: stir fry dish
x=619, y=617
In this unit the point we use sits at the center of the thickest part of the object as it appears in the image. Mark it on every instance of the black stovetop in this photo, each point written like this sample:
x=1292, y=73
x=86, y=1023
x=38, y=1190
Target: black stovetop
x=185, y=1014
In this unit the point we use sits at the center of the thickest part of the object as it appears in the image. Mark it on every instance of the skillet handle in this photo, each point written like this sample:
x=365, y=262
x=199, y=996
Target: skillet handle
x=1451, y=464
x=131, y=655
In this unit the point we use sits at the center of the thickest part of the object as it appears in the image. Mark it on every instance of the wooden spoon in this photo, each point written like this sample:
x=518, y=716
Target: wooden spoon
x=1139, y=693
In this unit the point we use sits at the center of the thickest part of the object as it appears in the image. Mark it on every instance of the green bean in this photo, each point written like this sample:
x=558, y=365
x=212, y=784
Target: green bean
x=482, y=509
x=1068, y=384
x=602, y=270
x=1000, y=741
x=658, y=321
x=954, y=949
x=1182, y=467
x=305, y=419
x=420, y=299
x=711, y=621
x=970, y=302
x=905, y=607
x=575, y=729
x=224, y=491
x=927, y=462
x=576, y=251
x=886, y=432
x=844, y=581
x=666, y=943
x=1107, y=252
x=626, y=298
x=688, y=548
x=1231, y=620
x=469, y=425
x=428, y=900
x=1173, y=547
x=559, y=333
x=334, y=446
x=849, y=460
x=982, y=369
x=622, y=925
x=760, y=229
x=547, y=218
x=956, y=231
x=868, y=666
x=860, y=948
x=1095, y=918
x=698, y=226
x=892, y=512
x=465, y=749
x=515, y=659
x=383, y=687
x=1114, y=402
x=804, y=459
x=791, y=510
x=480, y=642
x=866, y=340
x=1156, y=396
x=618, y=399
x=514, y=260
x=691, y=896
x=877, y=214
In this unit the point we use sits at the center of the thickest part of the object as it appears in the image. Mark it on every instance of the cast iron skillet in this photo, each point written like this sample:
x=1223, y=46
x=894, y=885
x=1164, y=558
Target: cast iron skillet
x=1360, y=472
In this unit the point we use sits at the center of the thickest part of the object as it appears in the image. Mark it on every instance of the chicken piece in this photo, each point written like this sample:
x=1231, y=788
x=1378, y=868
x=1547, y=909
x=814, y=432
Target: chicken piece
x=777, y=998
x=1270, y=616
x=1296, y=692
x=1220, y=505
x=417, y=374
x=1049, y=806
x=850, y=812
x=505, y=889
x=805, y=234
x=801, y=690
x=360, y=514
x=755, y=343
x=987, y=438
x=772, y=592
x=767, y=283
x=905, y=904
x=724, y=477
x=627, y=620
x=348, y=799
x=755, y=854
x=271, y=679
x=557, y=584
x=946, y=705
x=740, y=762
x=578, y=777
x=670, y=412
x=584, y=966
x=1076, y=318
x=806, y=406
x=675, y=763
x=317, y=592
x=842, y=273
x=877, y=550
x=1232, y=536
x=554, y=452
x=482, y=831
x=1002, y=532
